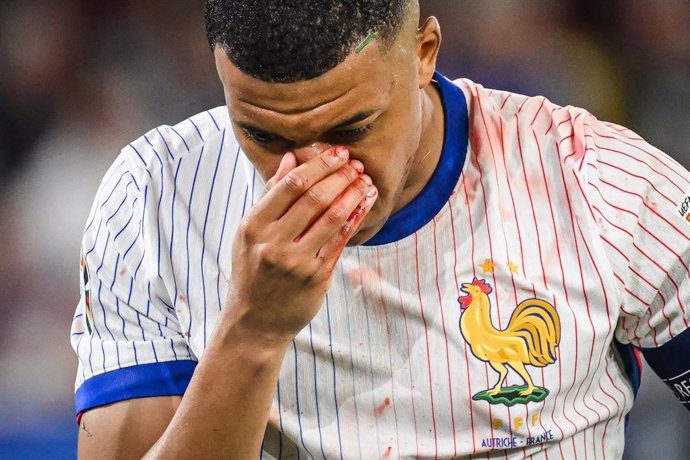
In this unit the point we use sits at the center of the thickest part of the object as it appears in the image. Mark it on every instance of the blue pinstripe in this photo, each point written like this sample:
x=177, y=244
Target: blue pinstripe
x=172, y=234
x=352, y=365
x=222, y=232
x=189, y=226
x=182, y=138
x=371, y=362
x=297, y=409
x=335, y=380
x=316, y=388
x=167, y=147
x=203, y=233
x=142, y=161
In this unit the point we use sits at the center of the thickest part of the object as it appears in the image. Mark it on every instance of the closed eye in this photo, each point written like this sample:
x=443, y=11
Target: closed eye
x=260, y=137
x=351, y=135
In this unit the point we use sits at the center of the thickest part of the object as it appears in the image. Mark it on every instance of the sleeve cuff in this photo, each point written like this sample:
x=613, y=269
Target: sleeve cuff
x=156, y=379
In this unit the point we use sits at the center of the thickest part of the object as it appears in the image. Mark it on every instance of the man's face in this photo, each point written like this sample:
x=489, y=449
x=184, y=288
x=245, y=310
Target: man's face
x=370, y=103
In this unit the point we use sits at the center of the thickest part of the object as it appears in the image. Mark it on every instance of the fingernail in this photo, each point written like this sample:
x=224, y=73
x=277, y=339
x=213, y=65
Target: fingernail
x=357, y=166
x=342, y=152
x=367, y=180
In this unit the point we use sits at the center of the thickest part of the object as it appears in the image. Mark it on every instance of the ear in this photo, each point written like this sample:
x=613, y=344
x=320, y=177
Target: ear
x=428, y=45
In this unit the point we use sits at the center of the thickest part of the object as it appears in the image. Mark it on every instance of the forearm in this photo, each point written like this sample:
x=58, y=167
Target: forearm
x=224, y=412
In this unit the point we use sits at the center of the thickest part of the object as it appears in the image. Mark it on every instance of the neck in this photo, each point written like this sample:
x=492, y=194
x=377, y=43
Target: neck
x=430, y=146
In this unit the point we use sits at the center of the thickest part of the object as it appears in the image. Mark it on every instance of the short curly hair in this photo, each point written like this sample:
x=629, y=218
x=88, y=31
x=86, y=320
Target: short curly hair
x=284, y=41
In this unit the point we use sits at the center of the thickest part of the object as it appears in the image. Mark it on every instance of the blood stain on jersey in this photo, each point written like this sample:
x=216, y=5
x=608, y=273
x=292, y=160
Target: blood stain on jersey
x=85, y=283
x=531, y=338
x=380, y=409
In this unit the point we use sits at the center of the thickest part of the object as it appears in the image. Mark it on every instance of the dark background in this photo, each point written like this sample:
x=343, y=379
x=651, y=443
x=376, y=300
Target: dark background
x=79, y=79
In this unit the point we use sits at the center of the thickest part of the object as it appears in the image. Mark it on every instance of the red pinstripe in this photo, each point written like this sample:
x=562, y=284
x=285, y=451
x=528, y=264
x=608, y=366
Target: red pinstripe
x=445, y=337
x=457, y=286
x=623, y=131
x=637, y=176
x=543, y=101
x=548, y=130
x=506, y=100
x=670, y=278
x=390, y=355
x=521, y=105
x=644, y=203
x=663, y=299
x=409, y=354
x=671, y=250
x=512, y=278
x=609, y=332
x=631, y=157
x=488, y=226
x=662, y=160
x=541, y=263
x=426, y=336
x=625, y=397
x=565, y=289
x=577, y=253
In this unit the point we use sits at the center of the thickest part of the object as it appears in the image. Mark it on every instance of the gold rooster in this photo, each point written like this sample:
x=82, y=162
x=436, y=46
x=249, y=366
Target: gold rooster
x=531, y=337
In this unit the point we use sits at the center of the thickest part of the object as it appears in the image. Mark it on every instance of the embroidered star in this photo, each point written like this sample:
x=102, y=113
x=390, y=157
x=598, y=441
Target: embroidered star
x=513, y=267
x=487, y=266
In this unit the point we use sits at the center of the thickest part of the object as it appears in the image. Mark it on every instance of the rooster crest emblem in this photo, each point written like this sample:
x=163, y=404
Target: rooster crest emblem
x=531, y=338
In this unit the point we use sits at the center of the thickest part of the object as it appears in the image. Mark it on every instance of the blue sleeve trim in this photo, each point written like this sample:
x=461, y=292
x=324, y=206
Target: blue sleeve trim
x=157, y=379
x=671, y=362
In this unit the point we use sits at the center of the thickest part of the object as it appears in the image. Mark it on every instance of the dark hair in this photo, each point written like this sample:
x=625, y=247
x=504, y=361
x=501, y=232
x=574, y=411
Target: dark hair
x=293, y=40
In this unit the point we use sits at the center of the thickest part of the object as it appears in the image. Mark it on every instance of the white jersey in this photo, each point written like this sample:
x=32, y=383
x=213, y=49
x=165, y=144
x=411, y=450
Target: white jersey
x=565, y=229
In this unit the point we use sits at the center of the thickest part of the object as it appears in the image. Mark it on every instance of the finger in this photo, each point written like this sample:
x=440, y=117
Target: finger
x=297, y=181
x=338, y=220
x=287, y=163
x=330, y=252
x=317, y=200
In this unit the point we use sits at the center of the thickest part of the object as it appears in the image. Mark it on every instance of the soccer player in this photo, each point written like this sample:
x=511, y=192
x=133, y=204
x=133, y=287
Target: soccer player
x=359, y=258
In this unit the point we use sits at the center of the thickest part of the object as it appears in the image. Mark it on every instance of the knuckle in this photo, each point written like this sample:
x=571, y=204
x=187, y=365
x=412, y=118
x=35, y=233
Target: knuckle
x=324, y=162
x=270, y=256
x=247, y=229
x=362, y=186
x=348, y=173
x=294, y=183
x=316, y=197
x=335, y=216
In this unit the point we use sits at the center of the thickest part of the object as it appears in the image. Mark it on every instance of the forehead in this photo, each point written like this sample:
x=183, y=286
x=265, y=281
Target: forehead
x=363, y=81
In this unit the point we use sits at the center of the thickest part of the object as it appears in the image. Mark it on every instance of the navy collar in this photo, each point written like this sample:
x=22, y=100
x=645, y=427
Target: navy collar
x=436, y=192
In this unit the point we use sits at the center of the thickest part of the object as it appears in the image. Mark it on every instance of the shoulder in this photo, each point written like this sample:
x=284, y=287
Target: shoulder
x=531, y=113
x=165, y=146
x=571, y=135
x=170, y=151
x=163, y=161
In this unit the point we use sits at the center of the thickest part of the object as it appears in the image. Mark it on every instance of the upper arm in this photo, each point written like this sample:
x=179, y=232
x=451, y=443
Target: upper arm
x=636, y=191
x=125, y=429
x=133, y=356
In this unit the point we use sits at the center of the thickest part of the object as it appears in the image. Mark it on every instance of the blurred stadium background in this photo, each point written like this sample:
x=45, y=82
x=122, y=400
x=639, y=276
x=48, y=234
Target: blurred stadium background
x=80, y=79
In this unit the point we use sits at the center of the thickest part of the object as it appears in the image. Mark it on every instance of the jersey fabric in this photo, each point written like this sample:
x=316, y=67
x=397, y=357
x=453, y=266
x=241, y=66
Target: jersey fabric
x=564, y=228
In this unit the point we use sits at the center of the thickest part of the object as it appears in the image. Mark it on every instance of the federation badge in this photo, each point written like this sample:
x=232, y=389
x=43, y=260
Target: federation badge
x=529, y=339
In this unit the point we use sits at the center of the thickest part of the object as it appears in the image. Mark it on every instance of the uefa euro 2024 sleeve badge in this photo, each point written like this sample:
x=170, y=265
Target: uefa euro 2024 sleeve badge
x=530, y=339
x=85, y=290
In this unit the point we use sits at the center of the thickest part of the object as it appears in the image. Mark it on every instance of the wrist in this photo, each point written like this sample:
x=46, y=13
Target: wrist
x=242, y=336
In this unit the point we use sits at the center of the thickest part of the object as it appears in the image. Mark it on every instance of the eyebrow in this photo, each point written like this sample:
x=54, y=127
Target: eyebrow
x=359, y=116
